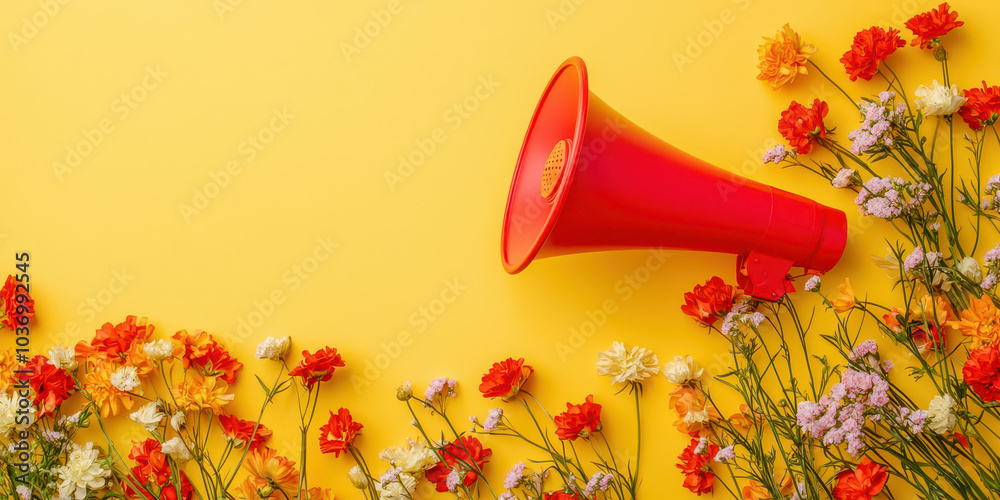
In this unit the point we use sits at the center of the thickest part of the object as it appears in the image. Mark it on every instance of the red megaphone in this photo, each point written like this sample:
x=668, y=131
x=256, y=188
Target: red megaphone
x=587, y=179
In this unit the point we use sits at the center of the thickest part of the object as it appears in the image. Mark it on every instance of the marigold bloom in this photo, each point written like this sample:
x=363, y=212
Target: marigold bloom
x=317, y=367
x=982, y=108
x=338, y=433
x=240, y=432
x=467, y=450
x=197, y=394
x=929, y=27
x=504, y=380
x=755, y=491
x=51, y=385
x=845, y=301
x=112, y=342
x=980, y=322
x=862, y=483
x=870, y=48
x=800, y=125
x=783, y=57
x=102, y=392
x=195, y=345
x=709, y=302
x=698, y=475
x=982, y=372
x=580, y=420
x=9, y=295
x=279, y=471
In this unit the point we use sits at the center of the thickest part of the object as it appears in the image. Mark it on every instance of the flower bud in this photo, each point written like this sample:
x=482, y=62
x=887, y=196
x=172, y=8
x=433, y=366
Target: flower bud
x=970, y=268
x=357, y=477
x=404, y=391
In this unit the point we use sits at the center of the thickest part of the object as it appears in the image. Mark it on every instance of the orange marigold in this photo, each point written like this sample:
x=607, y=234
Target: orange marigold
x=102, y=392
x=783, y=57
x=845, y=301
x=265, y=464
x=980, y=322
x=199, y=394
x=694, y=412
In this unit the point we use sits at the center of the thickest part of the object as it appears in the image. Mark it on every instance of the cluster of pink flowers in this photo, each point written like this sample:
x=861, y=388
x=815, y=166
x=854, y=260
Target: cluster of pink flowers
x=885, y=197
x=775, y=154
x=992, y=192
x=918, y=257
x=876, y=128
x=598, y=482
x=914, y=419
x=840, y=416
x=740, y=313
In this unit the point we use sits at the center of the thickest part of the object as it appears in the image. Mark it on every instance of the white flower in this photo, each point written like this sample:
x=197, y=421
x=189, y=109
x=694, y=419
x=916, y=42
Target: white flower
x=63, y=357
x=176, y=448
x=813, y=284
x=273, y=348
x=942, y=417
x=413, y=457
x=938, y=100
x=24, y=492
x=843, y=178
x=631, y=366
x=357, y=477
x=970, y=268
x=696, y=416
x=8, y=414
x=682, y=370
x=148, y=416
x=178, y=420
x=158, y=350
x=125, y=378
x=401, y=489
x=81, y=473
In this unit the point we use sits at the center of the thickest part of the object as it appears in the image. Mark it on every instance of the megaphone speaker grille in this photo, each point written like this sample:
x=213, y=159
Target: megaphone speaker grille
x=554, y=165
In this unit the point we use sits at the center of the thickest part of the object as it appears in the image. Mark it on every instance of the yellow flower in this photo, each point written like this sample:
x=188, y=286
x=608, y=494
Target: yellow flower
x=844, y=302
x=102, y=392
x=317, y=493
x=627, y=366
x=755, y=491
x=783, y=57
x=254, y=488
x=935, y=310
x=203, y=394
x=981, y=322
x=279, y=471
x=412, y=457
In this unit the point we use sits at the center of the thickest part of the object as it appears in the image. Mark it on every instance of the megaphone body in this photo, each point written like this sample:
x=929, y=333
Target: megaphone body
x=588, y=179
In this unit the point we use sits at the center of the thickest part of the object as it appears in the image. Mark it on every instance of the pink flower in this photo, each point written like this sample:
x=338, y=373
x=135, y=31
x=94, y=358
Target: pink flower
x=514, y=476
x=863, y=349
x=914, y=259
x=492, y=419
x=724, y=454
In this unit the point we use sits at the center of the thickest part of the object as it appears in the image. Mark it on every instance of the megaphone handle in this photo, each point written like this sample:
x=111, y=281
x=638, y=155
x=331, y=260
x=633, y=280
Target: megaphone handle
x=763, y=276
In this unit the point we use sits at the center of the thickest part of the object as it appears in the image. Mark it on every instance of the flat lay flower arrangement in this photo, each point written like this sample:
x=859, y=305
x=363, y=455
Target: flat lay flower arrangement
x=808, y=424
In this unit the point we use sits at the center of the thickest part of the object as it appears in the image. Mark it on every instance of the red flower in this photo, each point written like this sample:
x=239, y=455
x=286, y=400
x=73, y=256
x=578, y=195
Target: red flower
x=13, y=309
x=338, y=433
x=862, y=483
x=218, y=362
x=698, y=475
x=168, y=492
x=317, y=367
x=241, y=431
x=114, y=341
x=982, y=107
x=961, y=440
x=467, y=450
x=927, y=342
x=560, y=495
x=801, y=125
x=51, y=385
x=151, y=463
x=579, y=420
x=870, y=48
x=708, y=302
x=982, y=372
x=505, y=379
x=930, y=26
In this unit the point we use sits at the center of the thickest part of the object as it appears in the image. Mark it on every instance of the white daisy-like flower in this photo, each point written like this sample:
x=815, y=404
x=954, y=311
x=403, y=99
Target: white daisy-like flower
x=158, y=350
x=82, y=473
x=63, y=357
x=627, y=366
x=273, y=348
x=125, y=379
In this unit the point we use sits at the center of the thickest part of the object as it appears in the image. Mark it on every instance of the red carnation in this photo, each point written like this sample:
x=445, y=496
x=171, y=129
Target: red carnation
x=982, y=372
x=709, y=302
x=466, y=450
x=338, y=433
x=801, y=125
x=579, y=420
x=698, y=475
x=505, y=379
x=114, y=341
x=51, y=385
x=241, y=431
x=862, y=483
x=870, y=48
x=560, y=495
x=929, y=27
x=151, y=463
x=218, y=362
x=317, y=367
x=982, y=106
x=15, y=310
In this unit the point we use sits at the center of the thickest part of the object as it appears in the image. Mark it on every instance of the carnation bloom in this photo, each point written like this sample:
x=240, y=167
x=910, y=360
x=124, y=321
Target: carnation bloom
x=217, y=362
x=338, y=433
x=505, y=379
x=938, y=100
x=159, y=350
x=627, y=366
x=980, y=322
x=317, y=367
x=698, y=475
x=280, y=471
x=51, y=385
x=982, y=106
x=783, y=57
x=126, y=379
x=272, y=348
x=108, y=398
x=63, y=357
x=843, y=178
x=81, y=473
x=240, y=432
x=412, y=457
x=580, y=420
x=560, y=495
x=176, y=449
x=800, y=125
x=929, y=27
x=113, y=342
x=682, y=369
x=845, y=301
x=8, y=363
x=464, y=450
x=870, y=48
x=199, y=394
x=862, y=483
x=16, y=313
x=709, y=302
x=745, y=419
x=982, y=372
x=150, y=462
x=148, y=416
x=694, y=413
x=942, y=415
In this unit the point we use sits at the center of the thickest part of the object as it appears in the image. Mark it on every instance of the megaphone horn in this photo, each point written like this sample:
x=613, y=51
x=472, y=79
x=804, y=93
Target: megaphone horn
x=588, y=179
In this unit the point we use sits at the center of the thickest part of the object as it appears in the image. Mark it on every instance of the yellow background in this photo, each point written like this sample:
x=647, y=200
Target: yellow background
x=123, y=232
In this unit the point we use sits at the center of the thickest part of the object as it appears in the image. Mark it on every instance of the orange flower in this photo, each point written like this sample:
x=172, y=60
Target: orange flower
x=709, y=302
x=934, y=310
x=279, y=471
x=102, y=392
x=336, y=436
x=137, y=357
x=255, y=488
x=580, y=420
x=930, y=26
x=112, y=342
x=195, y=345
x=696, y=415
x=783, y=57
x=802, y=126
x=981, y=322
x=696, y=467
x=317, y=367
x=505, y=379
x=240, y=432
x=755, y=491
x=16, y=313
x=317, y=493
x=845, y=301
x=745, y=419
x=862, y=483
x=203, y=394
x=892, y=318
x=8, y=364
